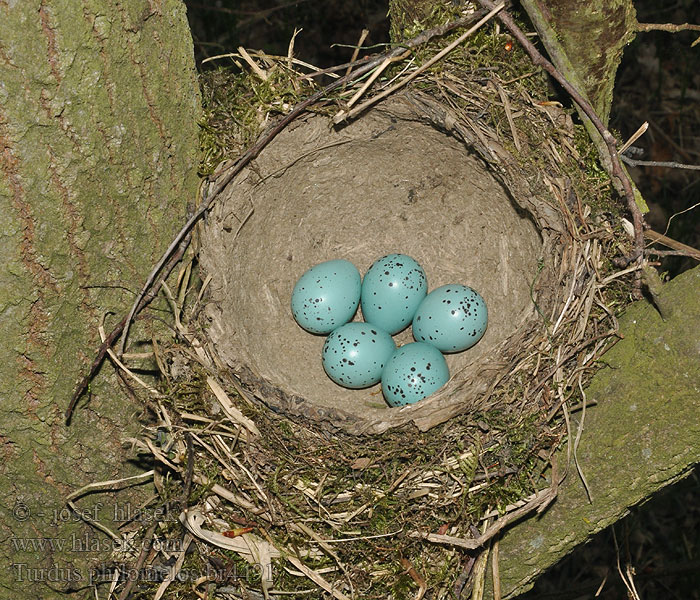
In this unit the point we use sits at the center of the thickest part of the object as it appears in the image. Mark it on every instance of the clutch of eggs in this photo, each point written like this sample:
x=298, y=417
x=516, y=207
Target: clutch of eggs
x=393, y=294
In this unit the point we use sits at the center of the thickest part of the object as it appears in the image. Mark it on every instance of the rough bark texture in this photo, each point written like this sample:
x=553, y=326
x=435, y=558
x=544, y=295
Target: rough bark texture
x=585, y=41
x=98, y=150
x=642, y=434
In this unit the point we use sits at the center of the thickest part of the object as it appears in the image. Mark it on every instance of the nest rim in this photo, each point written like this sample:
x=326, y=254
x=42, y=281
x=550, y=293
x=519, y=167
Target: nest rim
x=443, y=405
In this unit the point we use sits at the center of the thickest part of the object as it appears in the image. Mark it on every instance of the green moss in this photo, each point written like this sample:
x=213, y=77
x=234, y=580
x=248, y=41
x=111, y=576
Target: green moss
x=238, y=104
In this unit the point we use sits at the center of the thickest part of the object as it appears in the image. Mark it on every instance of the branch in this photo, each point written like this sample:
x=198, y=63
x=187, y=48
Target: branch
x=640, y=436
x=657, y=163
x=671, y=27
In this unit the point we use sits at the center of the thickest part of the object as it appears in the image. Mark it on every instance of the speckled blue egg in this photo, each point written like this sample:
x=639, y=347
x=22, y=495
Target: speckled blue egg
x=413, y=372
x=326, y=296
x=355, y=354
x=452, y=318
x=392, y=289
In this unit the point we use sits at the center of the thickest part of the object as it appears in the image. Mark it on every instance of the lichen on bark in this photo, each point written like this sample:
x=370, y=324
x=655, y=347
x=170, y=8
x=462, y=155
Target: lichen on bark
x=98, y=157
x=585, y=40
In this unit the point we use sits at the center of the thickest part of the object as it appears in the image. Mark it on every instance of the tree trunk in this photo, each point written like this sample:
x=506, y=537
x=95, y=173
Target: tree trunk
x=98, y=156
x=585, y=41
x=642, y=433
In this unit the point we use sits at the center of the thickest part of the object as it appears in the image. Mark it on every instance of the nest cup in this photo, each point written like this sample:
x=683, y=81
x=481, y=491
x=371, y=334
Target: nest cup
x=406, y=177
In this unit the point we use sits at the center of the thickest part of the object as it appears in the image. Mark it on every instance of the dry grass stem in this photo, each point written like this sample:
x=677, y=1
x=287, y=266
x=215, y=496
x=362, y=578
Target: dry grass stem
x=124, y=368
x=317, y=579
x=634, y=137
x=509, y=116
x=356, y=51
x=103, y=486
x=252, y=64
x=177, y=567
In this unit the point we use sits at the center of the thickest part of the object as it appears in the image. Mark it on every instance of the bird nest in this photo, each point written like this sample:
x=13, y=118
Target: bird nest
x=484, y=184
x=411, y=176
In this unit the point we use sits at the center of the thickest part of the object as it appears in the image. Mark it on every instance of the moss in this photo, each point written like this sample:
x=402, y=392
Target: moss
x=238, y=105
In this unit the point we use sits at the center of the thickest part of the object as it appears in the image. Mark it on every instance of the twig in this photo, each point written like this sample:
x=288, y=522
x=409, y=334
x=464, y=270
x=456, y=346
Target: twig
x=371, y=79
x=145, y=549
x=655, y=252
x=112, y=484
x=577, y=441
x=174, y=571
x=679, y=248
x=125, y=369
x=671, y=27
x=419, y=581
x=290, y=48
x=627, y=576
x=397, y=482
x=333, y=70
x=145, y=299
x=294, y=61
x=509, y=116
x=635, y=136
x=658, y=163
x=671, y=243
x=617, y=172
x=316, y=578
x=252, y=64
x=495, y=571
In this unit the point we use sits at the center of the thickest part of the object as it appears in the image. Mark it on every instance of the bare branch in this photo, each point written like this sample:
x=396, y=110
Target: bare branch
x=657, y=163
x=670, y=27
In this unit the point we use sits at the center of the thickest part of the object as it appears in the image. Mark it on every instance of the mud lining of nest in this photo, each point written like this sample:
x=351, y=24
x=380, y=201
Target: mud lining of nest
x=408, y=177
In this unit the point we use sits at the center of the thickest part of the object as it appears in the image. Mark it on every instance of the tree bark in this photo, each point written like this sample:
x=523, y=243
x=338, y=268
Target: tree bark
x=642, y=433
x=585, y=41
x=98, y=157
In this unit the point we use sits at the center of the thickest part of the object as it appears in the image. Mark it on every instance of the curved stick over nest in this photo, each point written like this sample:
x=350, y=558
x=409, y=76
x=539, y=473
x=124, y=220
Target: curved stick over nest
x=618, y=174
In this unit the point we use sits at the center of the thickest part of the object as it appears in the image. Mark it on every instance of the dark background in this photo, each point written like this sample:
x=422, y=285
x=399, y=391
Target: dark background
x=659, y=82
